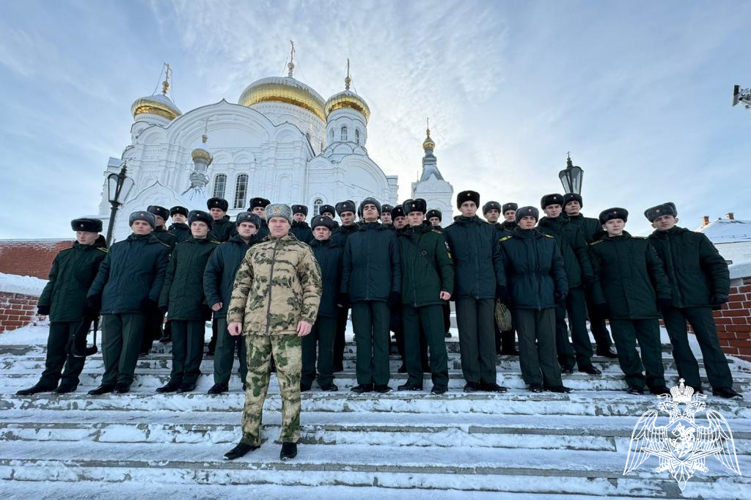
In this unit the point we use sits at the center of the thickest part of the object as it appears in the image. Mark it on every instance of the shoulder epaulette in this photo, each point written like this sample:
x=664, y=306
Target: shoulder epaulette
x=216, y=242
x=102, y=249
x=505, y=238
x=547, y=235
x=595, y=243
x=639, y=237
x=436, y=231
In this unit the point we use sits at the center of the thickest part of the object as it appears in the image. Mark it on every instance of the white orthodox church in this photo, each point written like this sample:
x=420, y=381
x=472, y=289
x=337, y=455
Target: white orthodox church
x=281, y=141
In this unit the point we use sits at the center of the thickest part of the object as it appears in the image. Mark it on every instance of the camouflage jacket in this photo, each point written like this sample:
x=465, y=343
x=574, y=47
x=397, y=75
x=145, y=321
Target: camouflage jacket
x=277, y=286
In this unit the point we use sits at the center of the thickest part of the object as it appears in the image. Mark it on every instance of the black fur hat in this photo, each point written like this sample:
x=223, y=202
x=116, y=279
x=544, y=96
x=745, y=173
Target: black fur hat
x=300, y=209
x=569, y=197
x=416, y=205
x=467, y=196
x=219, y=203
x=88, y=225
x=658, y=211
x=369, y=201
x=434, y=213
x=510, y=206
x=248, y=217
x=613, y=213
x=200, y=216
x=327, y=209
x=491, y=205
x=322, y=220
x=345, y=206
x=178, y=210
x=258, y=202
x=551, y=199
x=527, y=211
x=159, y=211
x=397, y=211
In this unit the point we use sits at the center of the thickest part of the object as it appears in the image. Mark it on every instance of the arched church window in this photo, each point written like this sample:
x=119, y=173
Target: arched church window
x=241, y=190
x=357, y=135
x=220, y=185
x=317, y=206
x=344, y=133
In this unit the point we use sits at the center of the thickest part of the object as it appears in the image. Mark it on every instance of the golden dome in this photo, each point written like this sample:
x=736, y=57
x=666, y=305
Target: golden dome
x=286, y=90
x=158, y=104
x=428, y=143
x=348, y=99
x=202, y=154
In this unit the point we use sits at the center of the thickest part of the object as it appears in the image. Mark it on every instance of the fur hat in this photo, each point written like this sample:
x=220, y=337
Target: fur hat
x=491, y=205
x=219, y=203
x=158, y=211
x=386, y=208
x=178, y=210
x=467, y=196
x=551, y=199
x=345, y=206
x=527, y=211
x=300, y=209
x=279, y=210
x=416, y=205
x=88, y=225
x=370, y=201
x=397, y=211
x=327, y=209
x=144, y=216
x=434, y=213
x=509, y=206
x=658, y=211
x=613, y=213
x=258, y=202
x=322, y=220
x=200, y=216
x=569, y=197
x=248, y=217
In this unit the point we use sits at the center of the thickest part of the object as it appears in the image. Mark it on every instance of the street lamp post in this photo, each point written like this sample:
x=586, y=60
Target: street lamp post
x=741, y=96
x=571, y=177
x=119, y=186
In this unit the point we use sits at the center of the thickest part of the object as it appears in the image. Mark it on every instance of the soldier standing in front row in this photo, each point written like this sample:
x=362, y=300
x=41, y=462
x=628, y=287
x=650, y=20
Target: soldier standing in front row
x=64, y=301
x=300, y=227
x=371, y=281
x=435, y=217
x=179, y=228
x=632, y=287
x=126, y=290
x=182, y=295
x=427, y=283
x=218, y=280
x=329, y=257
x=274, y=303
x=479, y=269
x=700, y=281
x=346, y=211
x=533, y=282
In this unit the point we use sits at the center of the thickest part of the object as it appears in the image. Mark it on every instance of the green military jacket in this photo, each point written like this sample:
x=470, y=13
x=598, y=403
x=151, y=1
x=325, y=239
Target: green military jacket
x=591, y=228
x=182, y=293
x=165, y=237
x=573, y=248
x=277, y=286
x=630, y=277
x=427, y=268
x=73, y=271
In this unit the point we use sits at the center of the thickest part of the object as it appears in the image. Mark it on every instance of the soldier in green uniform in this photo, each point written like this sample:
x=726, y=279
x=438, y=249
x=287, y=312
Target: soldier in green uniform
x=126, y=290
x=632, y=286
x=330, y=212
x=179, y=228
x=581, y=277
x=300, y=227
x=218, y=280
x=592, y=230
x=479, y=269
x=346, y=211
x=700, y=280
x=386, y=214
x=274, y=303
x=329, y=257
x=221, y=226
x=509, y=216
x=371, y=281
x=435, y=217
x=398, y=217
x=258, y=206
x=183, y=297
x=427, y=282
x=533, y=282
x=64, y=301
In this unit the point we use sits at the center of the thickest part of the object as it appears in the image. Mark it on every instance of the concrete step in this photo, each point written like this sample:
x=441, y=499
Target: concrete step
x=463, y=469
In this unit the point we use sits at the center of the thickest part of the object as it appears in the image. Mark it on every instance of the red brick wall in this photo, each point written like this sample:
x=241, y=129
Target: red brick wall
x=16, y=310
x=734, y=320
x=30, y=257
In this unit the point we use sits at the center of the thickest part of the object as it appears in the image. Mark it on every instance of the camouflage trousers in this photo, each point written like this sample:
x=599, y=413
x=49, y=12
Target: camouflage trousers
x=287, y=353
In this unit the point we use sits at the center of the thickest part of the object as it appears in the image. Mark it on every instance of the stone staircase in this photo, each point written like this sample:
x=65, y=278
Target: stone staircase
x=398, y=445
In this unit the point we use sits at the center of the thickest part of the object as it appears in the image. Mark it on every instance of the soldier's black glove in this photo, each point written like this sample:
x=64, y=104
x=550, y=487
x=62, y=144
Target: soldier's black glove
x=395, y=300
x=43, y=310
x=718, y=299
x=90, y=313
x=501, y=293
x=664, y=303
x=560, y=298
x=342, y=299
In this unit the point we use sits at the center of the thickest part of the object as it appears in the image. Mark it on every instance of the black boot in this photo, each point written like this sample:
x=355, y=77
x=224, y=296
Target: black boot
x=102, y=389
x=535, y=388
x=658, y=390
x=359, y=389
x=170, y=387
x=35, y=389
x=590, y=369
x=239, y=451
x=492, y=387
x=289, y=451
x=66, y=388
x=409, y=387
x=122, y=388
x=218, y=389
x=608, y=353
x=186, y=387
x=726, y=392
x=559, y=388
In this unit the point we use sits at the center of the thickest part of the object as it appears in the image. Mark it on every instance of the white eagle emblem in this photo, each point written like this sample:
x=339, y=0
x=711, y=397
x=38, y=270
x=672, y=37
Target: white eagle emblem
x=682, y=446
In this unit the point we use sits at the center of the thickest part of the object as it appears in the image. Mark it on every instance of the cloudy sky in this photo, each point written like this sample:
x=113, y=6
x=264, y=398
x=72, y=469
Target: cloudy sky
x=639, y=92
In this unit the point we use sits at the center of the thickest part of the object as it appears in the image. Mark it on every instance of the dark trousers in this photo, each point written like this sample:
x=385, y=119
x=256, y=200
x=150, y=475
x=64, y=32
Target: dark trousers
x=702, y=322
x=505, y=342
x=339, y=339
x=576, y=309
x=626, y=332
x=121, y=341
x=226, y=347
x=427, y=320
x=475, y=320
x=187, y=351
x=537, y=352
x=447, y=316
x=59, y=346
x=214, y=335
x=152, y=330
x=370, y=320
x=322, y=335
x=598, y=325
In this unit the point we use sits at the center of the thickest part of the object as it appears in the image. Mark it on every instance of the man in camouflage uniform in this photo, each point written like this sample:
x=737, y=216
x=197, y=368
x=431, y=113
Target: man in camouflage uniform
x=274, y=303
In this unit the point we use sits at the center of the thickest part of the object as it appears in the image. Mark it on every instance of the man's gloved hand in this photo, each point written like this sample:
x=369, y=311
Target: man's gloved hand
x=560, y=298
x=664, y=303
x=342, y=299
x=90, y=313
x=501, y=293
x=43, y=310
x=395, y=300
x=718, y=299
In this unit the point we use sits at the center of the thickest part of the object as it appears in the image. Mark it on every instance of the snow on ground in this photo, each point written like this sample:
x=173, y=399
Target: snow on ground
x=27, y=285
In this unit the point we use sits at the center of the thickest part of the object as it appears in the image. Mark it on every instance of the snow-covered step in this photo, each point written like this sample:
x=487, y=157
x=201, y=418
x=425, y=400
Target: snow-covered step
x=461, y=469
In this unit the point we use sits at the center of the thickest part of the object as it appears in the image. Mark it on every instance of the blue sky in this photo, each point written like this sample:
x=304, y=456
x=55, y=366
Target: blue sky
x=639, y=92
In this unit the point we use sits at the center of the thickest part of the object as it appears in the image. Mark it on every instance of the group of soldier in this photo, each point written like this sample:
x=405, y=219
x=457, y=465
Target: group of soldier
x=288, y=288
